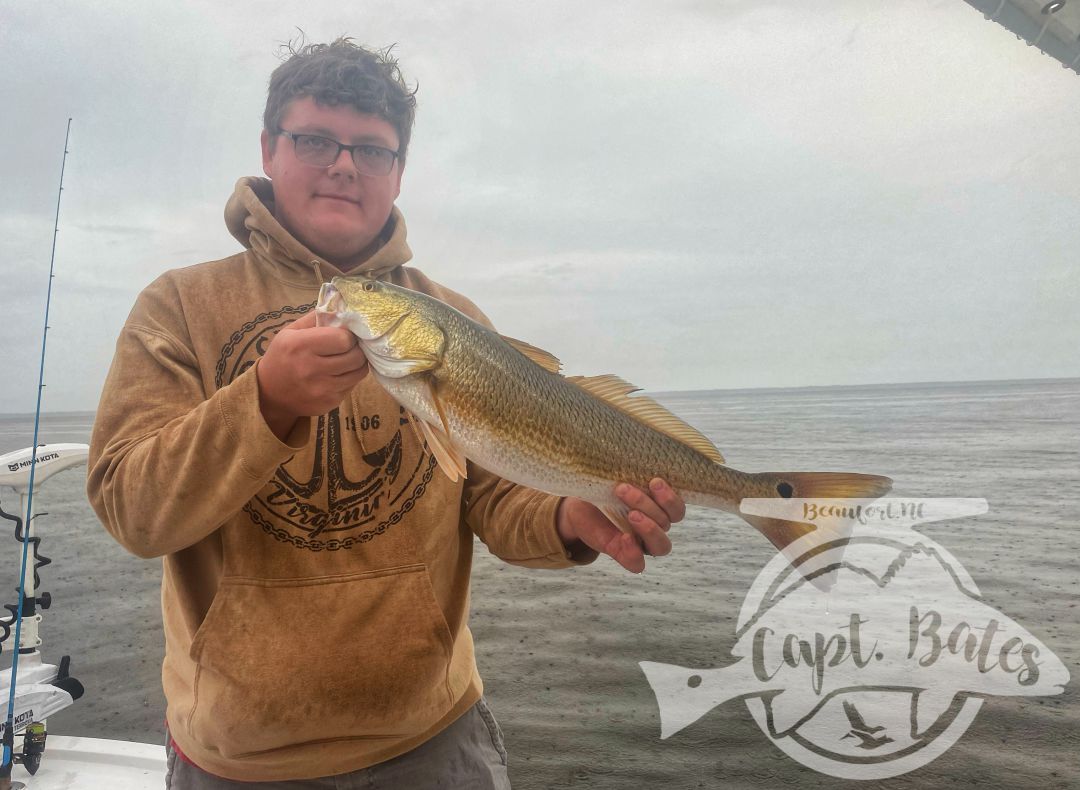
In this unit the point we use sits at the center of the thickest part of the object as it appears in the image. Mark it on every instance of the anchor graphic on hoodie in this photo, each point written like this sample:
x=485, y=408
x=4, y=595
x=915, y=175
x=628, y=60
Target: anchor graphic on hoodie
x=352, y=501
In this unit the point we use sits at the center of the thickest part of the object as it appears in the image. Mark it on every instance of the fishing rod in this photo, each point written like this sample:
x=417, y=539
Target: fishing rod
x=9, y=729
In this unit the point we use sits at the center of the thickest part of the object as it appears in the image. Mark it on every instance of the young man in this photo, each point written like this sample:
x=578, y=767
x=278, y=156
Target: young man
x=315, y=590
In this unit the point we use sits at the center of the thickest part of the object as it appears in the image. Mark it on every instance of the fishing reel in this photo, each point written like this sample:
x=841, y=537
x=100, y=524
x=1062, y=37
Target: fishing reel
x=33, y=746
x=34, y=737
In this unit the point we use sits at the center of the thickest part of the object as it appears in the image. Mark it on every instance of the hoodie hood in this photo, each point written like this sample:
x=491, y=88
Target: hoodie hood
x=249, y=216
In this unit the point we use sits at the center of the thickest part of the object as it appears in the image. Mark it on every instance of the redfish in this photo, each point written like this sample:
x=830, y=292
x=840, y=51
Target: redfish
x=504, y=405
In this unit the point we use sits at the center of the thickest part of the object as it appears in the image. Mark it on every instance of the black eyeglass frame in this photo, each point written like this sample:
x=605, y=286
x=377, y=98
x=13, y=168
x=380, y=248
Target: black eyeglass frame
x=342, y=147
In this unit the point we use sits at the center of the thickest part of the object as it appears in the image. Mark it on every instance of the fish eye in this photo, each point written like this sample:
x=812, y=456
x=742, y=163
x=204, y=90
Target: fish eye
x=369, y=287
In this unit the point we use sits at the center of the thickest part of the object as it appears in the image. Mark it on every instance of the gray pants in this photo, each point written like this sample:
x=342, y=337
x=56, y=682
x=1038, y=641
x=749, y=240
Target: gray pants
x=469, y=754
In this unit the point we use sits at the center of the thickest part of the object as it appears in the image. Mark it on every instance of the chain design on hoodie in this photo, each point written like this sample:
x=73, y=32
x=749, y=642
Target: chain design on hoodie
x=339, y=492
x=334, y=543
x=239, y=334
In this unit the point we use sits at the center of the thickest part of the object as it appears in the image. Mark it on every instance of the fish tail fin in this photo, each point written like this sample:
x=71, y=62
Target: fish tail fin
x=812, y=485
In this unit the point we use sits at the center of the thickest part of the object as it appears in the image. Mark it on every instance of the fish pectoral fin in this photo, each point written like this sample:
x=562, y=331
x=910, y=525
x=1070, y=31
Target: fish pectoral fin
x=439, y=407
x=617, y=393
x=450, y=459
x=544, y=359
x=617, y=515
x=414, y=421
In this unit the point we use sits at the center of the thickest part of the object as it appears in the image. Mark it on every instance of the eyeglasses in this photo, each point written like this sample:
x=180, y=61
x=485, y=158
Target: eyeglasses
x=371, y=160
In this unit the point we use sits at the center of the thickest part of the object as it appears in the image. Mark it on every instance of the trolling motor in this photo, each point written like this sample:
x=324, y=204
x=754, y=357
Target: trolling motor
x=40, y=689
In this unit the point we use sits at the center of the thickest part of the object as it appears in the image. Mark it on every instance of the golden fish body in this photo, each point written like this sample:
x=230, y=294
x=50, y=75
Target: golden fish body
x=502, y=404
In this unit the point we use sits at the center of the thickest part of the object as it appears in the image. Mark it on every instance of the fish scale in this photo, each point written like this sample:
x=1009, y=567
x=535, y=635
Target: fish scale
x=551, y=431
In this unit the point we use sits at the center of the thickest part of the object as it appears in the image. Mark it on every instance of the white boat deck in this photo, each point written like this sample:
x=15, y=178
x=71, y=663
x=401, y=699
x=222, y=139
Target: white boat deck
x=71, y=763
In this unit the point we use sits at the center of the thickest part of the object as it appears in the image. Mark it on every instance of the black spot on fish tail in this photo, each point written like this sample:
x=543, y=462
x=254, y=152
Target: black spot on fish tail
x=785, y=490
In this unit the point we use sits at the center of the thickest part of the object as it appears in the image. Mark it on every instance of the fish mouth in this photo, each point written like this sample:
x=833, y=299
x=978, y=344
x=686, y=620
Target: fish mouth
x=333, y=310
x=330, y=299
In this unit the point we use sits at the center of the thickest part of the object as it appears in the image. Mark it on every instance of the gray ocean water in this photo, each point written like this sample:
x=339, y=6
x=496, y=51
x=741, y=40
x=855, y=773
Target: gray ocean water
x=559, y=651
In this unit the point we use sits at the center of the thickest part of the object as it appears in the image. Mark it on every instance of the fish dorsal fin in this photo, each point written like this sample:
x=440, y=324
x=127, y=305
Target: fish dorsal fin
x=542, y=358
x=615, y=391
x=451, y=461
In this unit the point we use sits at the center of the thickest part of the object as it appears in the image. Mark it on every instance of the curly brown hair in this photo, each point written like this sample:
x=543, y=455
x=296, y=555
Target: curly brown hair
x=342, y=72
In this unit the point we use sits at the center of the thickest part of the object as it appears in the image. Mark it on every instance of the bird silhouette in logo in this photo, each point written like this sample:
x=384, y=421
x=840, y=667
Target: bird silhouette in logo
x=860, y=730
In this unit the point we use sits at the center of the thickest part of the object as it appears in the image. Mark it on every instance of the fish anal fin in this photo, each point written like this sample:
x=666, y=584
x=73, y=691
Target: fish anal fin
x=617, y=515
x=617, y=392
x=450, y=459
x=544, y=359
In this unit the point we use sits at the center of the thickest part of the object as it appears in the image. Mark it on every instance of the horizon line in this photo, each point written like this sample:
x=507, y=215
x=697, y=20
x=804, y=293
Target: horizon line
x=726, y=389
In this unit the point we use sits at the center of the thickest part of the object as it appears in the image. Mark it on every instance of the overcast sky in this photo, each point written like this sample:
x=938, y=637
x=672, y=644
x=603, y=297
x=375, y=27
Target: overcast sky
x=692, y=195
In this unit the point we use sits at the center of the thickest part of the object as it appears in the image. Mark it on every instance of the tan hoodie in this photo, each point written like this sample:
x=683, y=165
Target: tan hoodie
x=315, y=592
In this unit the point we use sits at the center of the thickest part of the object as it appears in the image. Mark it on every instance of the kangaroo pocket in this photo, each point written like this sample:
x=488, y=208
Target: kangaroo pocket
x=290, y=661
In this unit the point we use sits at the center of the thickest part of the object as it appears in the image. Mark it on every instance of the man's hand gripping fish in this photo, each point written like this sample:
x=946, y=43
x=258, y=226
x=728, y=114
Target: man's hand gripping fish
x=503, y=404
